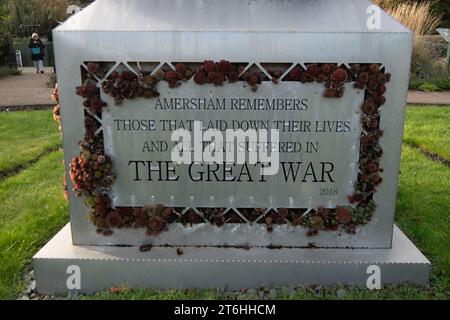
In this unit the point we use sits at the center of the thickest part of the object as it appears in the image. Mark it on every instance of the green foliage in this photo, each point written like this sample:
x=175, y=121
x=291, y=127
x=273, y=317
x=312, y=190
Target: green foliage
x=39, y=16
x=52, y=82
x=9, y=71
x=6, y=48
x=442, y=82
x=428, y=87
x=6, y=51
x=361, y=215
x=422, y=66
x=23, y=13
x=427, y=72
x=443, y=6
x=20, y=18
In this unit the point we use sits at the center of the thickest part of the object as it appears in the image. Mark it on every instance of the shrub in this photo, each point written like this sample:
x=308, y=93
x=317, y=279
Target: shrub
x=421, y=64
x=9, y=71
x=428, y=87
x=52, y=81
x=441, y=82
x=422, y=19
x=6, y=48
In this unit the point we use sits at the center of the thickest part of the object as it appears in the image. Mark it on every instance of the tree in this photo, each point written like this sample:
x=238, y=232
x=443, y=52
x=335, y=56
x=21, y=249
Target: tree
x=6, y=49
x=443, y=6
x=30, y=16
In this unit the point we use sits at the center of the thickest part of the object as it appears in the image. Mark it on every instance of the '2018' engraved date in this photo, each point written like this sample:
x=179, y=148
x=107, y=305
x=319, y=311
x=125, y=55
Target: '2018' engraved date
x=329, y=191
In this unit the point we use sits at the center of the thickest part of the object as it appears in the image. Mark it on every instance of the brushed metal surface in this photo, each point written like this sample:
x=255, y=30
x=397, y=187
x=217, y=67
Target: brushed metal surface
x=339, y=148
x=103, y=267
x=230, y=15
x=321, y=42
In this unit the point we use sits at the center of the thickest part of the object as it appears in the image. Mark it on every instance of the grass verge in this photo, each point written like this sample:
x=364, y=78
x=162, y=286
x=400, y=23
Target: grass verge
x=428, y=128
x=24, y=137
x=423, y=208
x=32, y=210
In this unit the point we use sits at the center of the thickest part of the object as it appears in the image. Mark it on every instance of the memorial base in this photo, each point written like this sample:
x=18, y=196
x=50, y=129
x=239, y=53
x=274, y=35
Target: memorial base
x=103, y=267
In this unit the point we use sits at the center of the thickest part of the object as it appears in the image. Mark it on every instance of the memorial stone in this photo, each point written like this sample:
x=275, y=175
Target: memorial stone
x=310, y=90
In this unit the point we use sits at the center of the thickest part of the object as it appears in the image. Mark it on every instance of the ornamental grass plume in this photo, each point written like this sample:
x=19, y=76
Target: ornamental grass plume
x=421, y=19
x=418, y=17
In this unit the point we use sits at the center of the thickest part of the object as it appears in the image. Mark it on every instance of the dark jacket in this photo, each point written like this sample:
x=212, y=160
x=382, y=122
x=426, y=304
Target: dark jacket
x=37, y=50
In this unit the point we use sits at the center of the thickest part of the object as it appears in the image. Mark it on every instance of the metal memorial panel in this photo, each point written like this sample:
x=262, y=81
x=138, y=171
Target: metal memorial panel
x=199, y=136
x=318, y=146
x=348, y=141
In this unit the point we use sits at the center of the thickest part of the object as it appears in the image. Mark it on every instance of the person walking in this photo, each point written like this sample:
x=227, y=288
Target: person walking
x=37, y=52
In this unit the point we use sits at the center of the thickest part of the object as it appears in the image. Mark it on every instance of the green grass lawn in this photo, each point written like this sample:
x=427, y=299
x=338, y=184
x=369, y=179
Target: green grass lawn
x=24, y=137
x=423, y=208
x=423, y=212
x=429, y=128
x=29, y=220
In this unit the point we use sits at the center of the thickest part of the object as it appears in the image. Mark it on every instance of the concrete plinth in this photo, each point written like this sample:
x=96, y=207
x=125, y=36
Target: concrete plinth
x=102, y=267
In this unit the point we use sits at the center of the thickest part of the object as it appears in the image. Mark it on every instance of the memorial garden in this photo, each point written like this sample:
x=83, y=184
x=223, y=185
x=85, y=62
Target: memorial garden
x=230, y=169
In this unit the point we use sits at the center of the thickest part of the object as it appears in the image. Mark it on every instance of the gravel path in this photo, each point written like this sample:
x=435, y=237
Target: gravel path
x=29, y=90
x=432, y=98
